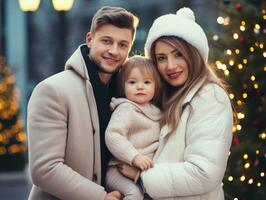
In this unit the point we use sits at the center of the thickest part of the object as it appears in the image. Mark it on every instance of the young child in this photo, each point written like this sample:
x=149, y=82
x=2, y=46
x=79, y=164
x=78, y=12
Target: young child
x=133, y=131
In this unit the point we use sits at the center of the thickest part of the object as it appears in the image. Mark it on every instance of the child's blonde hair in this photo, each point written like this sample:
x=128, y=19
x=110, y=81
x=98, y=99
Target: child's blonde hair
x=146, y=66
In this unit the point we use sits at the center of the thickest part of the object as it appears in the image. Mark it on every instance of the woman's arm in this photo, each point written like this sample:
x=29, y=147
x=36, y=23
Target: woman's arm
x=208, y=139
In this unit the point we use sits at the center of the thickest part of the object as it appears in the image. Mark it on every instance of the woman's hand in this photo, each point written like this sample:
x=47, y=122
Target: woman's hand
x=142, y=162
x=129, y=171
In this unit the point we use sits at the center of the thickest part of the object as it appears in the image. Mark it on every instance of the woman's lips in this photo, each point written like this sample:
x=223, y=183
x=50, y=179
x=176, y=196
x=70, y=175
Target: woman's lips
x=174, y=75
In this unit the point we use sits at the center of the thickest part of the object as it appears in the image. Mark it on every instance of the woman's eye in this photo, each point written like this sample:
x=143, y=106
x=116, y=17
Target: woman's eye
x=178, y=54
x=160, y=58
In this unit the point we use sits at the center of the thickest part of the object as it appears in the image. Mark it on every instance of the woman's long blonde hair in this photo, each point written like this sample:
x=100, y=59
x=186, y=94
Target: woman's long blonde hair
x=198, y=72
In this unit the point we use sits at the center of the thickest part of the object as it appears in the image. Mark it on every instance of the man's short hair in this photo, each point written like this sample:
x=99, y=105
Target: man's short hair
x=115, y=16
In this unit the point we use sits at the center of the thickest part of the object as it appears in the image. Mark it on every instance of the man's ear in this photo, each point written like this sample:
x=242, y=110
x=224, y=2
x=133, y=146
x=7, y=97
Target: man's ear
x=88, y=39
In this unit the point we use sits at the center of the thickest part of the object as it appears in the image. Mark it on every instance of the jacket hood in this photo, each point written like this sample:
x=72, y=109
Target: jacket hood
x=147, y=109
x=76, y=62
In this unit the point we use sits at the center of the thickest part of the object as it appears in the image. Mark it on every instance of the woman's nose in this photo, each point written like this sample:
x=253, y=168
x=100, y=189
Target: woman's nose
x=171, y=64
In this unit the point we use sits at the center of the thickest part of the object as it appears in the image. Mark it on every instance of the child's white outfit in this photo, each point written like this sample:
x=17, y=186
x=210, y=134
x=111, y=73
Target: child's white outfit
x=133, y=129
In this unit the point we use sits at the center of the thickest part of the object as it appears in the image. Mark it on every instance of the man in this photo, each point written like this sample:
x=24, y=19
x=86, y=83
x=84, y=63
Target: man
x=68, y=114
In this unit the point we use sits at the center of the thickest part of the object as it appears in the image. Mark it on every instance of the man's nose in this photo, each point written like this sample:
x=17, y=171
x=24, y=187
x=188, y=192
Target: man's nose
x=114, y=49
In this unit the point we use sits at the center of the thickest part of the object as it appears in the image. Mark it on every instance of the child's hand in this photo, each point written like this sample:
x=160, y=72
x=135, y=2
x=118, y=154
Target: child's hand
x=142, y=162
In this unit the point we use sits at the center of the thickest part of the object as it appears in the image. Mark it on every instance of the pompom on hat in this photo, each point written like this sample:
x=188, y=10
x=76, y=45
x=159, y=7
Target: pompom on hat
x=182, y=25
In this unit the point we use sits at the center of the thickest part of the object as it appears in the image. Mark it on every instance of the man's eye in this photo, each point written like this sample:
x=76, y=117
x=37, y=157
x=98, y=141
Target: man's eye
x=106, y=41
x=123, y=46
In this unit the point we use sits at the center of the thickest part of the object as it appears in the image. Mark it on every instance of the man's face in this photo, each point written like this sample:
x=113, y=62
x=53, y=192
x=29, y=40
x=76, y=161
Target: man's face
x=109, y=47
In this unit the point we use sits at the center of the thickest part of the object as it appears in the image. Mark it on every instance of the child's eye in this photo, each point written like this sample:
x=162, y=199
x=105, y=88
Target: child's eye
x=131, y=82
x=147, y=82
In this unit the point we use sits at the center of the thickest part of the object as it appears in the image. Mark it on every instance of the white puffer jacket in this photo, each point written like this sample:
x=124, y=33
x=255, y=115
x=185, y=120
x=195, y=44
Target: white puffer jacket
x=190, y=163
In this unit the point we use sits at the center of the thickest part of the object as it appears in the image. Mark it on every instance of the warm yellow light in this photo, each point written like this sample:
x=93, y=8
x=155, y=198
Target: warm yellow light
x=256, y=85
x=258, y=184
x=232, y=96
x=240, y=66
x=263, y=135
x=237, y=51
x=29, y=5
x=62, y=5
x=226, y=72
x=220, y=20
x=250, y=181
x=235, y=36
x=247, y=165
x=230, y=178
x=257, y=26
x=245, y=95
x=231, y=62
x=257, y=152
x=253, y=78
x=245, y=156
x=235, y=198
x=242, y=178
x=243, y=23
x=262, y=174
x=245, y=61
x=238, y=127
x=239, y=103
x=240, y=115
x=264, y=68
x=251, y=49
x=242, y=28
x=261, y=45
x=229, y=52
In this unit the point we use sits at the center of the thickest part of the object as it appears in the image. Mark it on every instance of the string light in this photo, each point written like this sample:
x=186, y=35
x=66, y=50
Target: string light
x=240, y=66
x=242, y=178
x=245, y=156
x=231, y=62
x=245, y=95
x=229, y=52
x=245, y=61
x=253, y=78
x=237, y=51
x=235, y=36
x=240, y=115
x=231, y=96
x=247, y=165
x=262, y=174
x=251, y=49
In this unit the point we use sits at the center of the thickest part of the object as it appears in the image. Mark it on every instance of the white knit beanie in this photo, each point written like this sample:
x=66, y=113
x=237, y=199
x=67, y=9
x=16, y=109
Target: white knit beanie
x=183, y=25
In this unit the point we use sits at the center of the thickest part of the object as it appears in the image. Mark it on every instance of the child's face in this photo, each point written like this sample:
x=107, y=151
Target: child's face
x=139, y=86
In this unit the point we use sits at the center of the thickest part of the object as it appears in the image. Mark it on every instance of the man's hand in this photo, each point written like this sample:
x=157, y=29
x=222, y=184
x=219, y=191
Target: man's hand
x=129, y=171
x=142, y=162
x=115, y=195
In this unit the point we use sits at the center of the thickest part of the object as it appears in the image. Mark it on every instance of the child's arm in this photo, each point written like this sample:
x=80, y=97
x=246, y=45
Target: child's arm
x=116, y=135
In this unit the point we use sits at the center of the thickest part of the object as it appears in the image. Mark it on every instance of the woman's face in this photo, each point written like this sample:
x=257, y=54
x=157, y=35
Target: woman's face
x=171, y=64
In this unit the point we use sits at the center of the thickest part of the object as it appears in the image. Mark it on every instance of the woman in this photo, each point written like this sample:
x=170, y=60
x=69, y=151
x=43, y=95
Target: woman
x=197, y=120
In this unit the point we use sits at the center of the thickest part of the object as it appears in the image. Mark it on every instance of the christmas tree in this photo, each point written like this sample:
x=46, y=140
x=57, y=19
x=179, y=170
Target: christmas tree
x=238, y=52
x=12, y=138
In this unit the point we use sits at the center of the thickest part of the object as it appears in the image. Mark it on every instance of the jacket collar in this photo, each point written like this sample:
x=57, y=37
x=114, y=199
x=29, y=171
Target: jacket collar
x=77, y=63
